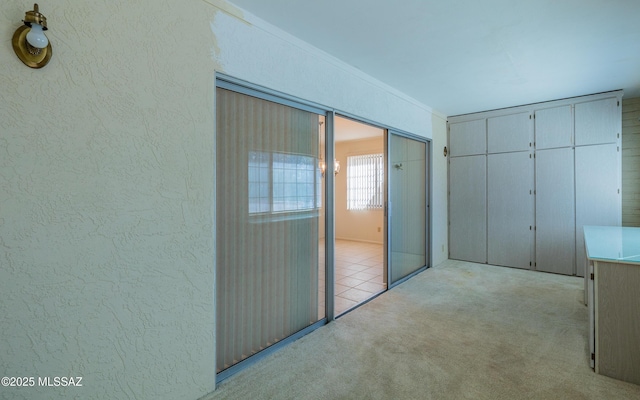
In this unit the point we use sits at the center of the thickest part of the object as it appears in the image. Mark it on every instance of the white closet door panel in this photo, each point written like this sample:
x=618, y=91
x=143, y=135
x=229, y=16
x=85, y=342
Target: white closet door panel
x=510, y=133
x=555, y=216
x=553, y=127
x=597, y=199
x=468, y=138
x=597, y=122
x=468, y=208
x=510, y=209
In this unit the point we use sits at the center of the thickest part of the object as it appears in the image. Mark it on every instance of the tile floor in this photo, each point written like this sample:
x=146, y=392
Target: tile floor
x=359, y=274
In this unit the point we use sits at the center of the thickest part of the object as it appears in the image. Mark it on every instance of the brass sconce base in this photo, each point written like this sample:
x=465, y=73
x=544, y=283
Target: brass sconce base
x=29, y=55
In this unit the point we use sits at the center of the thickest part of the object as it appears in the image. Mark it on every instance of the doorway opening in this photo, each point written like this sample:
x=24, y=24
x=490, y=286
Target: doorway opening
x=360, y=267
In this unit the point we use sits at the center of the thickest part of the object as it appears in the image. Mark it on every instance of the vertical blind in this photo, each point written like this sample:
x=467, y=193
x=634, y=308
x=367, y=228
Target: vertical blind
x=266, y=243
x=365, y=181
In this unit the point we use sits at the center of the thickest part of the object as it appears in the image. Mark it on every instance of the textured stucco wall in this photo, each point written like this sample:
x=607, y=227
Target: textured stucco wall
x=107, y=179
x=106, y=174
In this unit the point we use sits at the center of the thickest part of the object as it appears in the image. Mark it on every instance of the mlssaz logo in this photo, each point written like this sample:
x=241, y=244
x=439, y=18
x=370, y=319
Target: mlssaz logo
x=63, y=381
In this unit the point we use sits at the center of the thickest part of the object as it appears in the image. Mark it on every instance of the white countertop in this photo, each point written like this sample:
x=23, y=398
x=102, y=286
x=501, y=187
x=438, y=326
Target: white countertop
x=613, y=244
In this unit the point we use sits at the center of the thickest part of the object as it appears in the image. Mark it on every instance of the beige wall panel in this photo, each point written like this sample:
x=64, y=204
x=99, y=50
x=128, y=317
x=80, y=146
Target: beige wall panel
x=359, y=225
x=631, y=162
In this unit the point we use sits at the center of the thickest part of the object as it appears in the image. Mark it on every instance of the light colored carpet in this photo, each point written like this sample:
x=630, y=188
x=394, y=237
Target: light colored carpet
x=456, y=331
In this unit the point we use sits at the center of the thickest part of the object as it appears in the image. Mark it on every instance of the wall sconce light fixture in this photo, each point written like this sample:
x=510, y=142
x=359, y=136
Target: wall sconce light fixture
x=29, y=41
x=336, y=167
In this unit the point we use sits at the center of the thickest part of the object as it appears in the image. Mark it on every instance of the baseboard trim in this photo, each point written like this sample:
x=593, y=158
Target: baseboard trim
x=359, y=240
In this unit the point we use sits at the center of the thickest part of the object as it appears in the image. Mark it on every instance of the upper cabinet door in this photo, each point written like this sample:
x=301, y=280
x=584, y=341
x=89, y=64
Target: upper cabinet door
x=510, y=133
x=554, y=128
x=597, y=122
x=468, y=138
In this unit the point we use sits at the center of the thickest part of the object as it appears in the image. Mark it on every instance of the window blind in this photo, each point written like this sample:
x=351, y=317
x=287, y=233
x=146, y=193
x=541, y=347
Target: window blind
x=365, y=182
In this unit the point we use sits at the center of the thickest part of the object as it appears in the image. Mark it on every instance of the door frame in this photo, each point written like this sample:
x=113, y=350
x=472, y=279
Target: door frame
x=384, y=217
x=229, y=83
x=428, y=173
x=238, y=85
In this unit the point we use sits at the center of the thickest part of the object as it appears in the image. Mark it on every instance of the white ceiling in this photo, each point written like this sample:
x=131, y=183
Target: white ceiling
x=348, y=129
x=462, y=56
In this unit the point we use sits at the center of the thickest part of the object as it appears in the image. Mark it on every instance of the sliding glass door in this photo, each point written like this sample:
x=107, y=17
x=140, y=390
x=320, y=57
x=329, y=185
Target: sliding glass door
x=407, y=244
x=275, y=219
x=268, y=225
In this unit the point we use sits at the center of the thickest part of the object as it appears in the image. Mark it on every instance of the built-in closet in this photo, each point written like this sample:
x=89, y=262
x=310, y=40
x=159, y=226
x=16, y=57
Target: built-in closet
x=524, y=181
